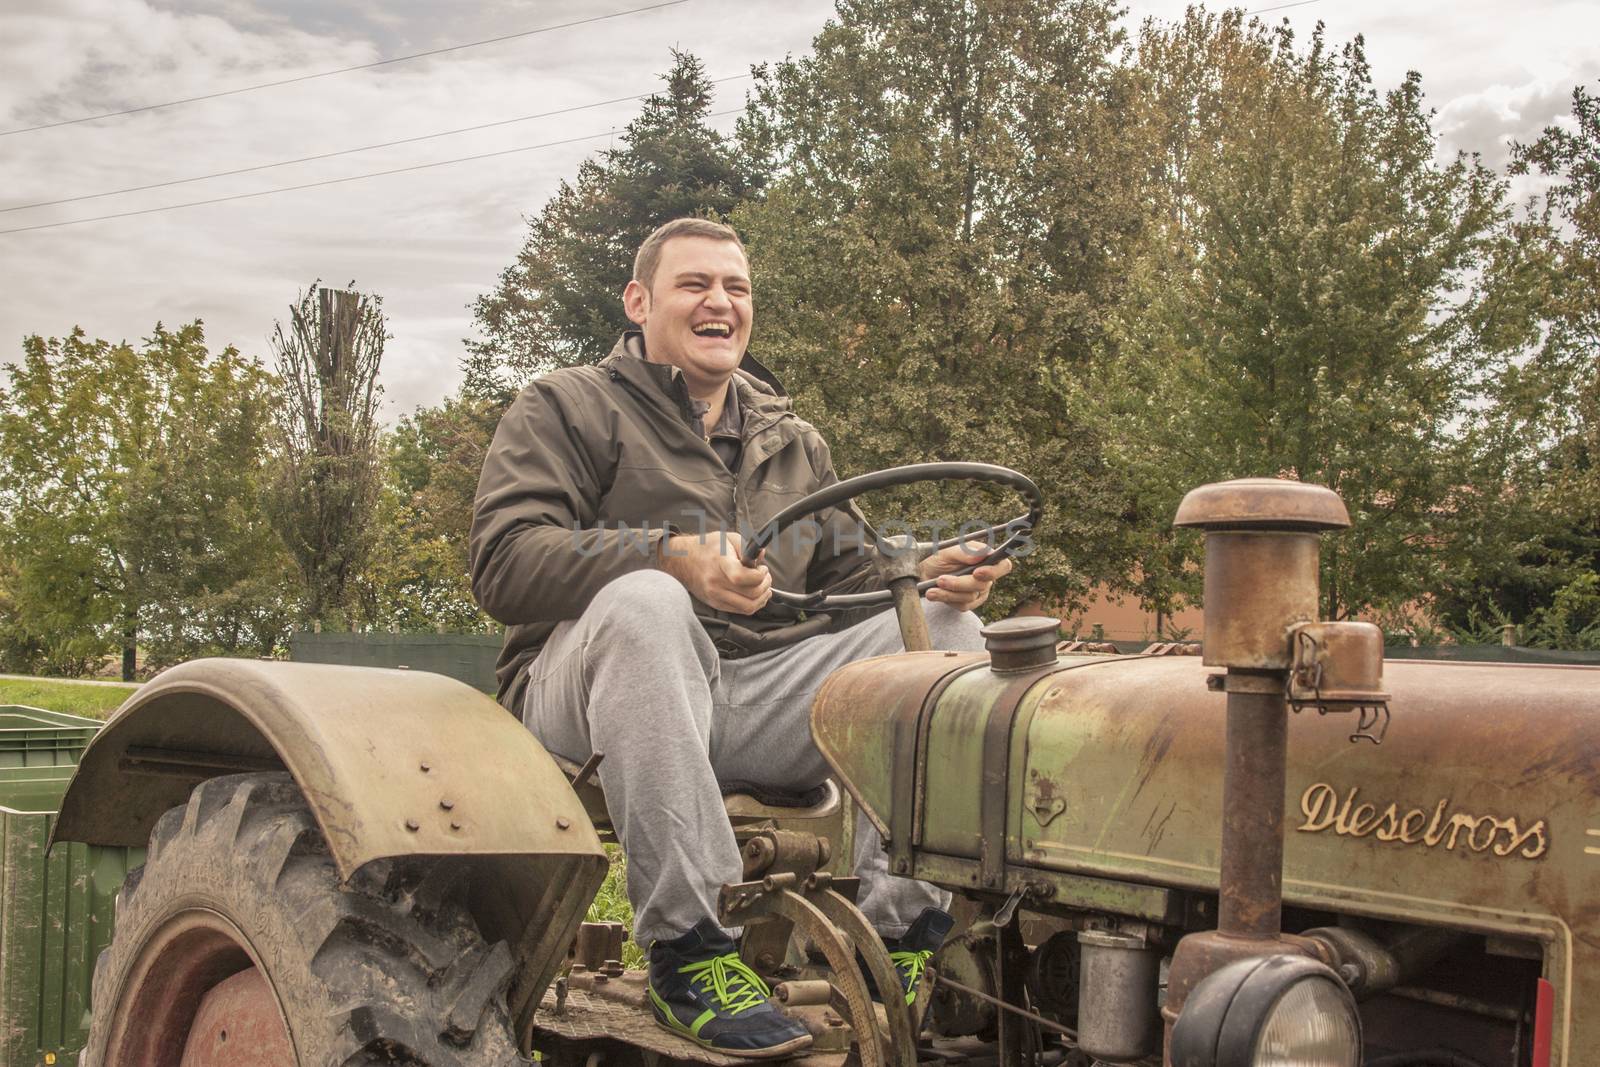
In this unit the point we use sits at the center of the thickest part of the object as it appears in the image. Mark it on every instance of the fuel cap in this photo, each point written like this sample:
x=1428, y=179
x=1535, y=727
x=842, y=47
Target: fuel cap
x=1021, y=643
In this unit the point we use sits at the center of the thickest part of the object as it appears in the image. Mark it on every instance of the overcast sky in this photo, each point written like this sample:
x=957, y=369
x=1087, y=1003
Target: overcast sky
x=432, y=240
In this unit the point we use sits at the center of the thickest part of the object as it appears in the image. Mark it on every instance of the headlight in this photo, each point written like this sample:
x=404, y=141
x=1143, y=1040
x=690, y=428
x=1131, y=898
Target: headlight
x=1277, y=1011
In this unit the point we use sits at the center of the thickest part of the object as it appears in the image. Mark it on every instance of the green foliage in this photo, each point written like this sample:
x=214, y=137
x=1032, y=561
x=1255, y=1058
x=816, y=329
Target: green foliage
x=73, y=698
x=954, y=187
x=324, y=492
x=417, y=579
x=611, y=905
x=131, y=498
x=1538, y=549
x=560, y=303
x=1305, y=307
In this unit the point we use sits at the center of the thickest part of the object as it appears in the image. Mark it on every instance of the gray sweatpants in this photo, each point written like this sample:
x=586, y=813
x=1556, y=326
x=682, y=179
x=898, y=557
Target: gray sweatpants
x=637, y=678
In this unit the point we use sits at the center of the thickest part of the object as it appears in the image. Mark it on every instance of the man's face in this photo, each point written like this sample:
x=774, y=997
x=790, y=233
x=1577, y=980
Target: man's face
x=697, y=312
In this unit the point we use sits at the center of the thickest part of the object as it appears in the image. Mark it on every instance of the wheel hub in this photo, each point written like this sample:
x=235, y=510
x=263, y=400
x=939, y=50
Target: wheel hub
x=195, y=998
x=238, y=1025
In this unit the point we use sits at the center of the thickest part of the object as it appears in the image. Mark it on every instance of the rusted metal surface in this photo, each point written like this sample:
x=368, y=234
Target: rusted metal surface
x=1474, y=814
x=894, y=689
x=598, y=944
x=908, y=611
x=1337, y=665
x=391, y=763
x=994, y=799
x=1258, y=584
x=1079, y=647
x=1173, y=648
x=899, y=559
x=1251, y=902
x=1262, y=503
x=839, y=931
x=239, y=1024
x=1021, y=643
x=610, y=1010
x=371, y=750
x=1261, y=593
x=1198, y=955
x=177, y=967
x=1370, y=966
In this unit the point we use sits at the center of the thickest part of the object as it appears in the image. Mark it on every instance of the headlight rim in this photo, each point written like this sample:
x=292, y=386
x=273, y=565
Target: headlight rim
x=1227, y=1011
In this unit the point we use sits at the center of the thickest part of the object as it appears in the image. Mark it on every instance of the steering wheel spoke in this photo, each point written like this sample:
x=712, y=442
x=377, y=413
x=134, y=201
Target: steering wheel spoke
x=1013, y=533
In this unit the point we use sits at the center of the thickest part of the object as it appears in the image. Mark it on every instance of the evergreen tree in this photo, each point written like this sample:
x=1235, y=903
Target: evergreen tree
x=560, y=303
x=954, y=185
x=1306, y=308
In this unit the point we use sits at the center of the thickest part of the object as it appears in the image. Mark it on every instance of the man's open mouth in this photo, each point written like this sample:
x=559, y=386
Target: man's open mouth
x=713, y=329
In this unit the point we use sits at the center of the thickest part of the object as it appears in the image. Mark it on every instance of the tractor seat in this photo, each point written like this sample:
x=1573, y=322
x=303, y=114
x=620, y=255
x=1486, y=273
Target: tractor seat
x=745, y=803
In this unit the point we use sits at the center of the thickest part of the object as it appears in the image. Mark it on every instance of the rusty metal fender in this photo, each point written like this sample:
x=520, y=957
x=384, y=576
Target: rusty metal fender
x=391, y=762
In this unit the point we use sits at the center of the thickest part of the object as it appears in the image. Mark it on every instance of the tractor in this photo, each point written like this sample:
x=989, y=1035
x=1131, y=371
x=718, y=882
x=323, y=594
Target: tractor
x=1274, y=852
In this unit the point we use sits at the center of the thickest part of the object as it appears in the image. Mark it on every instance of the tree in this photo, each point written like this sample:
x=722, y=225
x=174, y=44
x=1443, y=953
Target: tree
x=1306, y=306
x=417, y=580
x=1543, y=433
x=560, y=303
x=954, y=186
x=131, y=494
x=326, y=488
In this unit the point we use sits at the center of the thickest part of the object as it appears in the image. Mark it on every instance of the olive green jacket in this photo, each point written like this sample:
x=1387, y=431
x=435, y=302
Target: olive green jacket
x=591, y=466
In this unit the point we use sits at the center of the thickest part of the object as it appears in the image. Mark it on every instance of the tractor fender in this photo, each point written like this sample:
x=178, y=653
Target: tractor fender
x=391, y=762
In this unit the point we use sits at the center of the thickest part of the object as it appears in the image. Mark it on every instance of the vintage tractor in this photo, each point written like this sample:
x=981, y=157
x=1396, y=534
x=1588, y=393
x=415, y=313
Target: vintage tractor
x=354, y=866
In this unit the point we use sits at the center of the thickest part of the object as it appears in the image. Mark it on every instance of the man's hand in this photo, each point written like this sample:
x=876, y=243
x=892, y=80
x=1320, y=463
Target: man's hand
x=710, y=569
x=968, y=591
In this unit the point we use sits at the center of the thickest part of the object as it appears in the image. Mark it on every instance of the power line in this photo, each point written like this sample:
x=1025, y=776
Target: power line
x=1282, y=7
x=341, y=70
x=334, y=181
x=346, y=151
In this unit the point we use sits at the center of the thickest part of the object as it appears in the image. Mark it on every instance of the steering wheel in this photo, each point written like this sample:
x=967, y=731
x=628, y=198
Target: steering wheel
x=1012, y=532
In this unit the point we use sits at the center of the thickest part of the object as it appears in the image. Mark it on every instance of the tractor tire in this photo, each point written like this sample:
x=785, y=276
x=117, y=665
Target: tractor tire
x=388, y=968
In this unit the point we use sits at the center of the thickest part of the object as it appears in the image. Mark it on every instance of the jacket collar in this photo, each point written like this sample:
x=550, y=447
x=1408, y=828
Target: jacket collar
x=762, y=398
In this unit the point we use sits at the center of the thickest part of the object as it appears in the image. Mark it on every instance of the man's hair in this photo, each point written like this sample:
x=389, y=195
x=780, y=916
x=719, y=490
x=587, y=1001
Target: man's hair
x=649, y=257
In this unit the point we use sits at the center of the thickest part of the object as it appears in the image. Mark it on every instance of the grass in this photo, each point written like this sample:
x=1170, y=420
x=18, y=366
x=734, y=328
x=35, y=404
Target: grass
x=93, y=701
x=611, y=905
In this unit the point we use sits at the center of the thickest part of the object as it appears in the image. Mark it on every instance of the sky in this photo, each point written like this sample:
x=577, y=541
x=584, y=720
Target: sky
x=432, y=240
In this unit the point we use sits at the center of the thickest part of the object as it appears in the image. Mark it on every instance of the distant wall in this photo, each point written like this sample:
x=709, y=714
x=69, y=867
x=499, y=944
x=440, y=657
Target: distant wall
x=470, y=658
x=467, y=658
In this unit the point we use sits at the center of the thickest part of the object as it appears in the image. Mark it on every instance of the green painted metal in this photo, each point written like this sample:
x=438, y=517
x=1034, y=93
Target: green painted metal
x=1479, y=812
x=468, y=658
x=34, y=737
x=56, y=907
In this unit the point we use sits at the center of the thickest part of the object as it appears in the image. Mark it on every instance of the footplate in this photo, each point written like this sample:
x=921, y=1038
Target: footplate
x=613, y=1007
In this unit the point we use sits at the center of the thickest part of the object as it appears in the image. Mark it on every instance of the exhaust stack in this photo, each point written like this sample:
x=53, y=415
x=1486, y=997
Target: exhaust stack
x=1261, y=589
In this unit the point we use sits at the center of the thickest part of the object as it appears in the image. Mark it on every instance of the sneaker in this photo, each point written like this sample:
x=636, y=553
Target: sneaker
x=700, y=989
x=911, y=951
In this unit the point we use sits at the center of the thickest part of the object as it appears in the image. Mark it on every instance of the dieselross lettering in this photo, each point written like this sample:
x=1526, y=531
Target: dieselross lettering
x=1324, y=809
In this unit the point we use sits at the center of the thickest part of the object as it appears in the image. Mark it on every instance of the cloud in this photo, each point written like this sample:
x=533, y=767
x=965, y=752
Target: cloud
x=1491, y=120
x=431, y=240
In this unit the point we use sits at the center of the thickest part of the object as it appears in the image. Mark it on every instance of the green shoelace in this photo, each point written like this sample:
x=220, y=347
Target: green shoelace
x=911, y=964
x=733, y=986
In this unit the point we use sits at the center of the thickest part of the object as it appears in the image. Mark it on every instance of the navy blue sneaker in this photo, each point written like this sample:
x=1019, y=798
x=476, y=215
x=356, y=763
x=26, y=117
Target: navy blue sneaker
x=911, y=951
x=700, y=989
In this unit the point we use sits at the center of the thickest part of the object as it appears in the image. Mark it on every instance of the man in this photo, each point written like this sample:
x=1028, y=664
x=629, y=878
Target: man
x=605, y=536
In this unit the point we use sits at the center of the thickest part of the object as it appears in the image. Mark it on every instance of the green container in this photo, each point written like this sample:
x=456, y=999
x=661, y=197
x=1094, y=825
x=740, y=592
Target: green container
x=56, y=909
x=33, y=737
